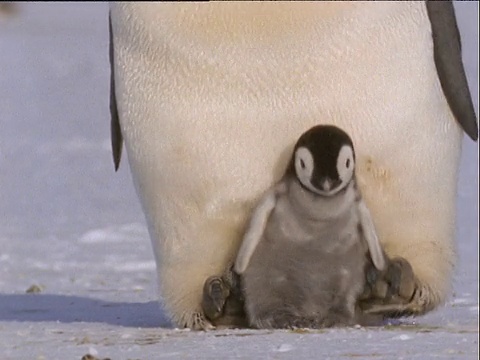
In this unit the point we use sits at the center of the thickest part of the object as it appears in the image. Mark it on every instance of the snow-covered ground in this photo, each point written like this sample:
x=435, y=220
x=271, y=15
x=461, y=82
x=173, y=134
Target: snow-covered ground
x=74, y=228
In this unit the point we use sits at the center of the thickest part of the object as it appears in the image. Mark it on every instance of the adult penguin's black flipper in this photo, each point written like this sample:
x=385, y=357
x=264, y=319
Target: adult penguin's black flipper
x=116, y=133
x=447, y=51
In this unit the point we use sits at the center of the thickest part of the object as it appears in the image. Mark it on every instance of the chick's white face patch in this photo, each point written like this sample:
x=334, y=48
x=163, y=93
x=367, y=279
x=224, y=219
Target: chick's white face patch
x=304, y=167
x=345, y=165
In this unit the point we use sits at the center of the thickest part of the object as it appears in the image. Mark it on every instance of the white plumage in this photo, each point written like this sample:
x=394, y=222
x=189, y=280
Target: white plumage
x=212, y=97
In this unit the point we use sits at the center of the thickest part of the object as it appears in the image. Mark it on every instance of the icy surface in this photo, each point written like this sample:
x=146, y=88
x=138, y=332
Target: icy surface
x=74, y=228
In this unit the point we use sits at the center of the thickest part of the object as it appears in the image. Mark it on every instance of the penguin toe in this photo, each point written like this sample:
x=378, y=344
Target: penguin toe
x=232, y=281
x=198, y=321
x=215, y=294
x=401, y=279
x=390, y=293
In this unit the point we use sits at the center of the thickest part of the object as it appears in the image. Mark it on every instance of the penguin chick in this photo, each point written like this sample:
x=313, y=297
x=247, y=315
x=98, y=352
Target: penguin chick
x=302, y=260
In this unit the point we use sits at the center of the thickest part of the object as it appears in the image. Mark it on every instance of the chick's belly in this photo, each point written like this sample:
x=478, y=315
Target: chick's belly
x=286, y=271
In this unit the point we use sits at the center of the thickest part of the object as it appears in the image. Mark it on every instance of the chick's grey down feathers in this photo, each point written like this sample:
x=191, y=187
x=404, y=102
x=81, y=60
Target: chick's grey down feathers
x=305, y=252
x=313, y=281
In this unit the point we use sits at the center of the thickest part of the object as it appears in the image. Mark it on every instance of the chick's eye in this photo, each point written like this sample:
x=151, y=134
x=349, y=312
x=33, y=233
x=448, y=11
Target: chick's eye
x=302, y=164
x=347, y=163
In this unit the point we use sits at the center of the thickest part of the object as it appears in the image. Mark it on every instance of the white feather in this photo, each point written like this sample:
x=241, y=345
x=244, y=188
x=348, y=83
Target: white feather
x=212, y=97
x=371, y=237
x=255, y=230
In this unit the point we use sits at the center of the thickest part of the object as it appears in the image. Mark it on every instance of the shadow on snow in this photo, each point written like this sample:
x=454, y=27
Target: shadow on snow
x=71, y=309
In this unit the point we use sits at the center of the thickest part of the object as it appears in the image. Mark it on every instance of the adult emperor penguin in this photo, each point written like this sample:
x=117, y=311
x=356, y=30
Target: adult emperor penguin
x=210, y=98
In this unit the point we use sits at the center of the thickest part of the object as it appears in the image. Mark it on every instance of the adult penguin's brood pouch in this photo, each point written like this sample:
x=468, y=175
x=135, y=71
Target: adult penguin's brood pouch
x=209, y=94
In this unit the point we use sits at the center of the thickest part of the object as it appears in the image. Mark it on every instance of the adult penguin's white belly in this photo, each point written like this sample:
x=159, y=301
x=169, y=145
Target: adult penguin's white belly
x=212, y=97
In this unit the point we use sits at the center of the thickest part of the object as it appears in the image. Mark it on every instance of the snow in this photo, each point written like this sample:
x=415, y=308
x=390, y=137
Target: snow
x=74, y=228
